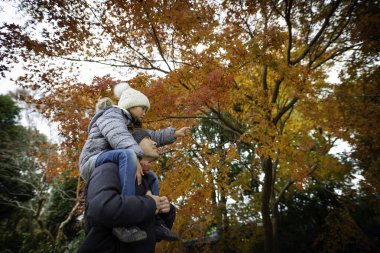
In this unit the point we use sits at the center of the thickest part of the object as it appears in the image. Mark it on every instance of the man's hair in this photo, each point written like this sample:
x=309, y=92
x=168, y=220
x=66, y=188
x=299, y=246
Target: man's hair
x=139, y=134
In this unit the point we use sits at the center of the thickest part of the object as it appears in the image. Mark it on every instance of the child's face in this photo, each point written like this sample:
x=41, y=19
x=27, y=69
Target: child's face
x=138, y=112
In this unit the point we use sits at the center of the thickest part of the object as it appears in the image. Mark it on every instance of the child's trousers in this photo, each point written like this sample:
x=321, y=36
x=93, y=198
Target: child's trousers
x=126, y=160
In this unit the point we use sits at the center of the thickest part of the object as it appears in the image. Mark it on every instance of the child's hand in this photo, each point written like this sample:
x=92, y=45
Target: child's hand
x=145, y=166
x=182, y=132
x=139, y=173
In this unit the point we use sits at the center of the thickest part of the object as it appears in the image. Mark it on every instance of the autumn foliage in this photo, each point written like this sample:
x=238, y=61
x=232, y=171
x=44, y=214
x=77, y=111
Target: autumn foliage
x=250, y=77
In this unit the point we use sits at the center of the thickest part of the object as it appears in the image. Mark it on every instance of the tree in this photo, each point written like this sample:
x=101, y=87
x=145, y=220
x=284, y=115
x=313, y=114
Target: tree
x=257, y=69
x=23, y=185
x=15, y=188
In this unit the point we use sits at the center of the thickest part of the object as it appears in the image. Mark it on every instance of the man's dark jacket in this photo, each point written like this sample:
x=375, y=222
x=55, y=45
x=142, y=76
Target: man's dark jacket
x=106, y=209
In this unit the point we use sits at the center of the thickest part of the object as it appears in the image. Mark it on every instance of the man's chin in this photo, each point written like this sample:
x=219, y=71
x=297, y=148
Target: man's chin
x=153, y=157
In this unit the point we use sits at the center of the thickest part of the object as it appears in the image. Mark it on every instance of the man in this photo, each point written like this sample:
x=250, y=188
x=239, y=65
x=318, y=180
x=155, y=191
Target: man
x=106, y=208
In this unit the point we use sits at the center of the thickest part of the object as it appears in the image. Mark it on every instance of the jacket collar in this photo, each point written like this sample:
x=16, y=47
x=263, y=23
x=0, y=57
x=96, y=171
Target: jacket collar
x=102, y=111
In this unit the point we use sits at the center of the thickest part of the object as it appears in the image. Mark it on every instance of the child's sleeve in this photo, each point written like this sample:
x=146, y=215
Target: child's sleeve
x=113, y=126
x=163, y=137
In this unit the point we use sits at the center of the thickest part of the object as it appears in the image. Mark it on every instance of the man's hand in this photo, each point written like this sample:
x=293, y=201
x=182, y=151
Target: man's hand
x=139, y=173
x=182, y=132
x=156, y=199
x=164, y=206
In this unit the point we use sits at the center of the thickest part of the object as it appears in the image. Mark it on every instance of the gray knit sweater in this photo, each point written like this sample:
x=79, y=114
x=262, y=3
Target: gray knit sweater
x=108, y=130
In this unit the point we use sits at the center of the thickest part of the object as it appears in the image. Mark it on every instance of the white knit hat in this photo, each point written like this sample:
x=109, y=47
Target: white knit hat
x=129, y=97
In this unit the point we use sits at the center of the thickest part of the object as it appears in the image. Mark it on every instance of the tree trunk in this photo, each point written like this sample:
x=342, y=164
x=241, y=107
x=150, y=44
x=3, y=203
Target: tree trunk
x=275, y=215
x=225, y=223
x=275, y=211
x=266, y=164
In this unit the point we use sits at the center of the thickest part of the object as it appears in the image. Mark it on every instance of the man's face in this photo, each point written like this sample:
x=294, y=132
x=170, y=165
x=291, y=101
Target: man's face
x=149, y=147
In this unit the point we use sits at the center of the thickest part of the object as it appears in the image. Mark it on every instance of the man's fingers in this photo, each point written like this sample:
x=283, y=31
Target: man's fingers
x=165, y=209
x=164, y=204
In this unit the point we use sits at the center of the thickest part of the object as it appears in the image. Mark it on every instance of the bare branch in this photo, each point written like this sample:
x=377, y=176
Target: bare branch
x=60, y=233
x=104, y=62
x=290, y=183
x=245, y=21
x=165, y=117
x=284, y=110
x=288, y=9
x=226, y=124
x=282, y=192
x=335, y=54
x=141, y=55
x=283, y=122
x=184, y=85
x=335, y=34
x=274, y=5
x=156, y=39
x=276, y=89
x=14, y=203
x=319, y=34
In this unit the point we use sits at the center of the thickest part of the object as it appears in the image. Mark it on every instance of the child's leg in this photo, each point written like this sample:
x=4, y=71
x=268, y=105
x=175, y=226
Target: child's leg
x=127, y=161
x=154, y=185
x=163, y=232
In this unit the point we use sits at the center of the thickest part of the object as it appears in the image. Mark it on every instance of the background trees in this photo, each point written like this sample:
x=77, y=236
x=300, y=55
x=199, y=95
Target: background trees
x=250, y=76
x=26, y=183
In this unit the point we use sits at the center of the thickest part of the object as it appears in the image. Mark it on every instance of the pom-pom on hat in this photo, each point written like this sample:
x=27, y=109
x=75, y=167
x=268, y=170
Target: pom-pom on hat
x=139, y=134
x=129, y=97
x=103, y=103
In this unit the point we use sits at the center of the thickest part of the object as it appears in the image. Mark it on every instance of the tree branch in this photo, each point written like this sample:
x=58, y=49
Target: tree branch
x=245, y=21
x=127, y=65
x=276, y=89
x=318, y=35
x=284, y=110
x=282, y=192
x=290, y=183
x=165, y=117
x=282, y=126
x=335, y=54
x=156, y=39
x=288, y=10
x=60, y=233
x=226, y=123
x=335, y=34
x=141, y=55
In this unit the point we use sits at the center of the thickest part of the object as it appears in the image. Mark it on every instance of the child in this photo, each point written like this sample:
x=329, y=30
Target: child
x=110, y=140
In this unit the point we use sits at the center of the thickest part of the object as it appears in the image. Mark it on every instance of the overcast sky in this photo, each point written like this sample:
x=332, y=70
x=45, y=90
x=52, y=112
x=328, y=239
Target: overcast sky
x=9, y=14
